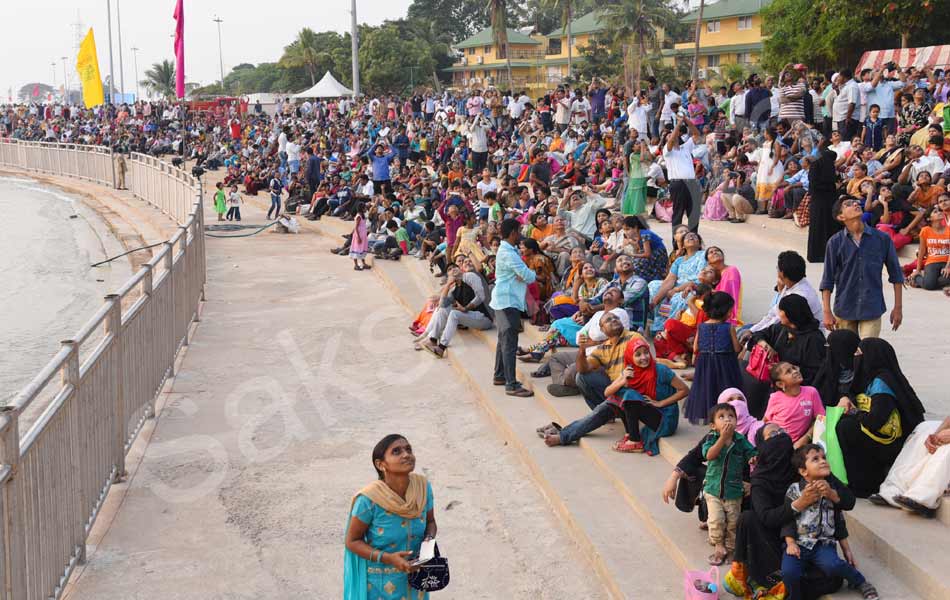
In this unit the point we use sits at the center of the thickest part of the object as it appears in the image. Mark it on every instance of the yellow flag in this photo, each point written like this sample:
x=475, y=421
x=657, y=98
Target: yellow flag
x=87, y=63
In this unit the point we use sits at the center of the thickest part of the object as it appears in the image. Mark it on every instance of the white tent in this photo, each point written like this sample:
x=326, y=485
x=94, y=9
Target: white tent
x=328, y=87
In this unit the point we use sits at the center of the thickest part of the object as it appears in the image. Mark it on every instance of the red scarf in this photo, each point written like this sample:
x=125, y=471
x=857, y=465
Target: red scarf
x=644, y=379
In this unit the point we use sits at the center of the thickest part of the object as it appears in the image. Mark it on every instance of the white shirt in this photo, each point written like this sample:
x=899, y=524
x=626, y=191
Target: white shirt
x=515, y=109
x=478, y=138
x=773, y=101
x=737, y=107
x=293, y=151
x=846, y=95
x=580, y=110
x=282, y=142
x=804, y=289
x=667, y=113
x=637, y=116
x=483, y=188
x=562, y=111
x=679, y=161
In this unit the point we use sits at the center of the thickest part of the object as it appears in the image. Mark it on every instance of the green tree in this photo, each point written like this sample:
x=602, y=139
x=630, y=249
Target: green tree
x=632, y=24
x=598, y=60
x=306, y=53
x=386, y=57
x=498, y=17
x=160, y=79
x=459, y=19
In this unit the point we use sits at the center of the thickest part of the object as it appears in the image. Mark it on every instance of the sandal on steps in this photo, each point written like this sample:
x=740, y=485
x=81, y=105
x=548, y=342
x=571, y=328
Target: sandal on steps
x=627, y=447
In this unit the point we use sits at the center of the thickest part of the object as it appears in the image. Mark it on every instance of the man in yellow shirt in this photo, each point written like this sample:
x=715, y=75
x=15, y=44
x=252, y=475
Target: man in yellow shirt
x=605, y=363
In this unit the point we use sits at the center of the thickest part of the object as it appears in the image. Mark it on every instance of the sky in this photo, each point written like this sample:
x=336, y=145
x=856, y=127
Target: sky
x=37, y=35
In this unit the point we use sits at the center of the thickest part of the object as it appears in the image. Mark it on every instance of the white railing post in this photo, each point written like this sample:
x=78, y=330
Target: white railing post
x=113, y=328
x=71, y=381
x=13, y=527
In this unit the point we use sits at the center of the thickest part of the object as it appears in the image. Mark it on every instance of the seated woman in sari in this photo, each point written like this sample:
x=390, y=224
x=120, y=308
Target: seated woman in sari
x=564, y=302
x=757, y=562
x=921, y=473
x=796, y=339
x=666, y=296
x=645, y=392
x=882, y=411
x=730, y=281
x=389, y=519
x=541, y=289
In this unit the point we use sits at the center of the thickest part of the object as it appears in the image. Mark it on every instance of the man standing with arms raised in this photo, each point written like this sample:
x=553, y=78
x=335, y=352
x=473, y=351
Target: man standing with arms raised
x=512, y=277
x=684, y=187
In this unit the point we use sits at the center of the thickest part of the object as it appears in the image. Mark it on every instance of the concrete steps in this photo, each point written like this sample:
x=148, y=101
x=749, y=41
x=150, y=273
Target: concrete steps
x=596, y=491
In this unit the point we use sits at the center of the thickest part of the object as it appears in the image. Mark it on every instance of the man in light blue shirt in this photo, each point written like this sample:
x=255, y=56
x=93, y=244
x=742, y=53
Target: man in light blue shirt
x=881, y=91
x=512, y=277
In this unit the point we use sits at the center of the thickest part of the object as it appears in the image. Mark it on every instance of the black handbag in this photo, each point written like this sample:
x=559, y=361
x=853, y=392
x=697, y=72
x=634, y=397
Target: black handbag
x=432, y=576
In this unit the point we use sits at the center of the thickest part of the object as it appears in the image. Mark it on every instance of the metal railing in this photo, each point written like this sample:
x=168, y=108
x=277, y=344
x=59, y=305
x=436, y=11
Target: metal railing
x=81, y=413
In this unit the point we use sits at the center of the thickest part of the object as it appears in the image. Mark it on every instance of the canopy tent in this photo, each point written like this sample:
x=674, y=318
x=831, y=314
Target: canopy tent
x=927, y=57
x=328, y=87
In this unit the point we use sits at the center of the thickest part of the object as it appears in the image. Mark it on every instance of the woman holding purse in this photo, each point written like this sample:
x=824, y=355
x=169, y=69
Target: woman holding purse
x=389, y=519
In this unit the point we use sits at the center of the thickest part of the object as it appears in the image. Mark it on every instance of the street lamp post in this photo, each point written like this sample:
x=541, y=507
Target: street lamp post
x=53, y=64
x=218, y=20
x=355, y=48
x=118, y=22
x=135, y=63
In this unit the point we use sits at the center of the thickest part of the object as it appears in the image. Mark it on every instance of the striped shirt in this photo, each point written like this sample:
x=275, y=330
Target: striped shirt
x=792, y=108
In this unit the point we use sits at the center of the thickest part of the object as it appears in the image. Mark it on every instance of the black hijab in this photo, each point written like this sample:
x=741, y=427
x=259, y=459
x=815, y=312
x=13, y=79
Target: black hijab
x=798, y=312
x=774, y=472
x=879, y=361
x=842, y=344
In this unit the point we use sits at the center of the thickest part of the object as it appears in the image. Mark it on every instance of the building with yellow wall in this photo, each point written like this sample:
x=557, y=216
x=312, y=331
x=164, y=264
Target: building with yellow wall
x=731, y=33
x=538, y=62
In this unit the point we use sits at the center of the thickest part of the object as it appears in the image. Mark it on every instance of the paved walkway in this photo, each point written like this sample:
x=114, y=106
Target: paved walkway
x=297, y=369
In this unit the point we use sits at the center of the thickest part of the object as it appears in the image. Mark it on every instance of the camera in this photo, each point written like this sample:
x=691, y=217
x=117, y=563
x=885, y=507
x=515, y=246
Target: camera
x=197, y=171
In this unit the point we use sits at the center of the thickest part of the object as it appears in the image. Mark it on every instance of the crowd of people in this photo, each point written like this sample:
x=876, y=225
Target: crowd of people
x=539, y=209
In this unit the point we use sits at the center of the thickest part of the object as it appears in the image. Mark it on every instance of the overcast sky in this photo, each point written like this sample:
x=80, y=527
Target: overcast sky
x=41, y=32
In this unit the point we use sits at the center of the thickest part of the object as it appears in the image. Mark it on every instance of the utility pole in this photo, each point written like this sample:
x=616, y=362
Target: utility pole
x=135, y=64
x=355, y=47
x=118, y=22
x=53, y=64
x=217, y=20
x=111, y=68
x=65, y=80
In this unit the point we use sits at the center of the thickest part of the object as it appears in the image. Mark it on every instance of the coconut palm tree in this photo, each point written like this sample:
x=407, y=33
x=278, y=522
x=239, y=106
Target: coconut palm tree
x=303, y=53
x=566, y=9
x=633, y=24
x=498, y=17
x=699, y=28
x=160, y=79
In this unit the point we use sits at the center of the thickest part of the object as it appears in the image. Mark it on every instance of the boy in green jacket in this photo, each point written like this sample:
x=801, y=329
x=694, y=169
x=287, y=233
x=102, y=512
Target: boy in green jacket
x=726, y=452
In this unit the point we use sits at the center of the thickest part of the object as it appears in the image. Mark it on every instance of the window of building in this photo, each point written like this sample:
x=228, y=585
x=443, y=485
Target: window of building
x=487, y=49
x=744, y=58
x=712, y=26
x=745, y=22
x=554, y=46
x=712, y=60
x=471, y=51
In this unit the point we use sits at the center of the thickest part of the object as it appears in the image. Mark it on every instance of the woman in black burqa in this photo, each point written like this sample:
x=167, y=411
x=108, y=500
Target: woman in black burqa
x=822, y=178
x=882, y=411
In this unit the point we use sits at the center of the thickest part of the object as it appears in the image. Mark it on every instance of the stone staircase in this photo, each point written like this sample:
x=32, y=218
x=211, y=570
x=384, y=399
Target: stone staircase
x=610, y=503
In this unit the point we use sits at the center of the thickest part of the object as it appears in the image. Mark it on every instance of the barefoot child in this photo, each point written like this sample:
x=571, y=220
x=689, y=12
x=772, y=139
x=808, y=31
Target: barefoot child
x=220, y=200
x=810, y=538
x=726, y=452
x=359, y=242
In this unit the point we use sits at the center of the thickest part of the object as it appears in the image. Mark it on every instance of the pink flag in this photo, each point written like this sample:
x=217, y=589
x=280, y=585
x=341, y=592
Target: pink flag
x=179, y=17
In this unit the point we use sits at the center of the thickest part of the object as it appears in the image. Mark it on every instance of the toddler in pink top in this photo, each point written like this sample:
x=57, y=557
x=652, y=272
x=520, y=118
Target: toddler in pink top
x=794, y=406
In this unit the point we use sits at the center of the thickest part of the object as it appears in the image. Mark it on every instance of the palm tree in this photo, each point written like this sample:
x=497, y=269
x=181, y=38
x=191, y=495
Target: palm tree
x=160, y=79
x=498, y=17
x=303, y=52
x=635, y=21
x=566, y=8
x=699, y=28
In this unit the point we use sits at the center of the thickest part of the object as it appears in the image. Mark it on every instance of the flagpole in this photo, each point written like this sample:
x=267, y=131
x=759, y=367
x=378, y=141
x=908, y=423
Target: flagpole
x=111, y=69
x=118, y=22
